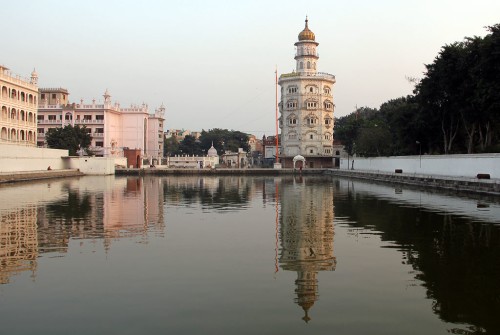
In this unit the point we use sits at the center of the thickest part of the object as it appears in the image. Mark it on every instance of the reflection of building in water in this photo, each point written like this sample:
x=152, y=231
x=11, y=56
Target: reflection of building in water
x=226, y=192
x=44, y=217
x=18, y=242
x=135, y=208
x=306, y=235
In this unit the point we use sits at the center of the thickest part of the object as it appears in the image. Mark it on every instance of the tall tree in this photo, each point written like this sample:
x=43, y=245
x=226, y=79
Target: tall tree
x=190, y=146
x=224, y=140
x=171, y=146
x=69, y=138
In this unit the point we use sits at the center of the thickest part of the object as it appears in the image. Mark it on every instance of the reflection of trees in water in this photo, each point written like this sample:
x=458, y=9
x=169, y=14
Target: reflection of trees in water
x=74, y=207
x=458, y=261
x=77, y=215
x=218, y=193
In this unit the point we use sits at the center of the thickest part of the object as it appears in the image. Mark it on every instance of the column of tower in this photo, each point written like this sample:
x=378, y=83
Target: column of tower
x=306, y=107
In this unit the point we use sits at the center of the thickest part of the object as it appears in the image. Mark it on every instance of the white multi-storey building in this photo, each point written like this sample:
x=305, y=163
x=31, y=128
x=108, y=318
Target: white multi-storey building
x=306, y=108
x=156, y=134
x=18, y=102
x=111, y=127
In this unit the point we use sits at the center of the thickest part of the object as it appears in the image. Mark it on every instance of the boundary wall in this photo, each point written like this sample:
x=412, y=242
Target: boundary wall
x=91, y=165
x=18, y=158
x=15, y=159
x=438, y=165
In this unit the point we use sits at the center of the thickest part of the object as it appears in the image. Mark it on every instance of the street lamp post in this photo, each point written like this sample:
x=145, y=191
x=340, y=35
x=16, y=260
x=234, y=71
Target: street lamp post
x=420, y=152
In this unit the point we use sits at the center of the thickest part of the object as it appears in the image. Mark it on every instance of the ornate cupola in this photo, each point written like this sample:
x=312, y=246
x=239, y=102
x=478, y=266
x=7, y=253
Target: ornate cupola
x=306, y=55
x=34, y=78
x=212, y=152
x=306, y=34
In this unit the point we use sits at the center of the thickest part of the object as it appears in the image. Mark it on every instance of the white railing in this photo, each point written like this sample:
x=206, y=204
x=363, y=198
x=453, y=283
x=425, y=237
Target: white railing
x=17, y=80
x=49, y=121
x=90, y=121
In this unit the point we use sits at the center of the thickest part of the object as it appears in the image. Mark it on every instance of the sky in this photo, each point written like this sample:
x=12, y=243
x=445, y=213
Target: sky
x=212, y=63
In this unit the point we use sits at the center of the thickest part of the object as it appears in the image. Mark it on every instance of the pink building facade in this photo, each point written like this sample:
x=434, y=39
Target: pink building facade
x=111, y=127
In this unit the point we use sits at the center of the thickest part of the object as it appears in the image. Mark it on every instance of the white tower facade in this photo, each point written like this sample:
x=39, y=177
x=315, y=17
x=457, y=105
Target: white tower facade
x=306, y=108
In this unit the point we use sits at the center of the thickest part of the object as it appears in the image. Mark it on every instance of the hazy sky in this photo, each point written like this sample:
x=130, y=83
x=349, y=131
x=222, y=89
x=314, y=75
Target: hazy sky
x=212, y=63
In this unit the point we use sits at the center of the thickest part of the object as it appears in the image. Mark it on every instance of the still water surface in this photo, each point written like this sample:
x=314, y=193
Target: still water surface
x=221, y=255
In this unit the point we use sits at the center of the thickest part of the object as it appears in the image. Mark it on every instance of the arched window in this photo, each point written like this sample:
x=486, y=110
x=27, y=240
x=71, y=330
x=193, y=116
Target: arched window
x=291, y=104
x=311, y=120
x=308, y=64
x=311, y=104
x=301, y=66
x=314, y=66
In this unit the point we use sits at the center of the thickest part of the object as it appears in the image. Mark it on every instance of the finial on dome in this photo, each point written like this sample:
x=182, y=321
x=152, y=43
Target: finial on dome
x=306, y=34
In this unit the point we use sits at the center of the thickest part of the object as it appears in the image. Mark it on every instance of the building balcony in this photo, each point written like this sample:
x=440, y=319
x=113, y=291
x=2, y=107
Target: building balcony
x=79, y=121
x=98, y=135
x=49, y=121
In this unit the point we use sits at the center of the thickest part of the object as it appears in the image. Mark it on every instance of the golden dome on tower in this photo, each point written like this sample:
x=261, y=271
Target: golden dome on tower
x=306, y=34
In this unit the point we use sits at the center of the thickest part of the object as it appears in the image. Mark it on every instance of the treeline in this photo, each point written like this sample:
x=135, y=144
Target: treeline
x=222, y=139
x=455, y=107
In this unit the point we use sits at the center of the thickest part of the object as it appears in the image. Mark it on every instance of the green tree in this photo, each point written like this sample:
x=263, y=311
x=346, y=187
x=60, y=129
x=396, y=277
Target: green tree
x=348, y=128
x=190, y=146
x=460, y=93
x=487, y=92
x=374, y=141
x=68, y=137
x=224, y=140
x=171, y=146
x=405, y=124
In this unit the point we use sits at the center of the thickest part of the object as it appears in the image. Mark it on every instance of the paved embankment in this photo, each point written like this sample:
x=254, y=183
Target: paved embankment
x=218, y=172
x=37, y=175
x=458, y=184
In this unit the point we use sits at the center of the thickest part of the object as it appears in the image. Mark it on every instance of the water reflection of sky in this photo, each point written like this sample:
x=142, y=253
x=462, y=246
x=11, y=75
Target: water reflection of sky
x=246, y=255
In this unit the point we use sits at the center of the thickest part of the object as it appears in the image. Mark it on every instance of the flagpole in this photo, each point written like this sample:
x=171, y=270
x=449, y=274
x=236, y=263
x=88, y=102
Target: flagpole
x=276, y=138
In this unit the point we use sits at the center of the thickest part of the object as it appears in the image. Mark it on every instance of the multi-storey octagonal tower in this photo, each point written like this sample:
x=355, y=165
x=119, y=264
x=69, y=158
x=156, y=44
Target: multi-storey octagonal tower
x=306, y=108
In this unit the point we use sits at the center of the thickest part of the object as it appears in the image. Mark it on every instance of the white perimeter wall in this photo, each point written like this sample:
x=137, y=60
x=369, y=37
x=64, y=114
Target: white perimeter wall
x=92, y=165
x=446, y=165
x=15, y=158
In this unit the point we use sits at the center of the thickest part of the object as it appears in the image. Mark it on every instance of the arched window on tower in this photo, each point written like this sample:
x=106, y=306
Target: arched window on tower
x=308, y=64
x=314, y=66
x=301, y=65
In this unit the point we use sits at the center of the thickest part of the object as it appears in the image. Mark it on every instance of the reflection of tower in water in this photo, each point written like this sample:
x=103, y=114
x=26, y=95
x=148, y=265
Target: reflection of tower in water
x=306, y=235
